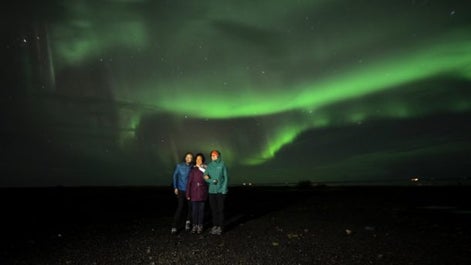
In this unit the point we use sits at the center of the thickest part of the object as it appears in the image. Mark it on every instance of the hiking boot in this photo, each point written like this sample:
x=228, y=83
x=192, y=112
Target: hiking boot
x=213, y=230
x=194, y=229
x=199, y=229
x=173, y=231
x=187, y=225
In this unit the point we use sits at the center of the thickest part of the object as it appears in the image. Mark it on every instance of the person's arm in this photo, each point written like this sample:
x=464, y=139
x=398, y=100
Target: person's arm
x=207, y=178
x=188, y=185
x=224, y=179
x=175, y=177
x=202, y=168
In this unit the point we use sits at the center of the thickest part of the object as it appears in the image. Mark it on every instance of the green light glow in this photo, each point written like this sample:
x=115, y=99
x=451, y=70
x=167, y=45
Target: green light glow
x=357, y=117
x=444, y=58
x=274, y=143
x=129, y=124
x=88, y=34
x=160, y=78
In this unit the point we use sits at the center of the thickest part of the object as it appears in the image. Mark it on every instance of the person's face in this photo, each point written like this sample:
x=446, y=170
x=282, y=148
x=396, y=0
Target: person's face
x=199, y=160
x=214, y=156
x=188, y=158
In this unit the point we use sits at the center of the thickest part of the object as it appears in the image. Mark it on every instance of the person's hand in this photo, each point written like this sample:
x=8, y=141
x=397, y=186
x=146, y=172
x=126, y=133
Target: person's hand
x=206, y=177
x=176, y=192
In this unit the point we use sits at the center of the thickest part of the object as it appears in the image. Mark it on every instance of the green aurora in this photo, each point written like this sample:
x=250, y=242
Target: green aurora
x=251, y=78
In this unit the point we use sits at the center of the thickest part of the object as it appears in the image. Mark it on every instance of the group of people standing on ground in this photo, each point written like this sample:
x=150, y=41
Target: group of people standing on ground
x=193, y=184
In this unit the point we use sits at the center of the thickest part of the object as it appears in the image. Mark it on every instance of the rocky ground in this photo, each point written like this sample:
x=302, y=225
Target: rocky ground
x=324, y=225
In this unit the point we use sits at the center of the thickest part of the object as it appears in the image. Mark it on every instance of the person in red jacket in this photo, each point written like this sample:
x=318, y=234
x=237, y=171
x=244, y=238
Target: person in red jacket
x=197, y=193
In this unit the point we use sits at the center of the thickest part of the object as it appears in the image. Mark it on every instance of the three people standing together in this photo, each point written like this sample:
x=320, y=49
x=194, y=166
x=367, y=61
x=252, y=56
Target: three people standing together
x=199, y=182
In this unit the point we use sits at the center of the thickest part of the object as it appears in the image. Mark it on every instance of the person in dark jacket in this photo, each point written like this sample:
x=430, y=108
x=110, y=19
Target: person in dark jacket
x=217, y=179
x=197, y=193
x=180, y=179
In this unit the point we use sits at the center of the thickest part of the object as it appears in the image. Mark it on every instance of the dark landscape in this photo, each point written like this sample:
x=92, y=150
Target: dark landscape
x=341, y=127
x=264, y=225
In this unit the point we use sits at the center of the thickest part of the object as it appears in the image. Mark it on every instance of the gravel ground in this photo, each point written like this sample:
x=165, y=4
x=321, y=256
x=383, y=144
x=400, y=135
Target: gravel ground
x=264, y=226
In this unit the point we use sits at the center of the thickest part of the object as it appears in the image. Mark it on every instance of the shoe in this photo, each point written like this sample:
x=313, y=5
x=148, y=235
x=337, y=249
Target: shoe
x=218, y=231
x=187, y=225
x=199, y=229
x=194, y=229
x=173, y=231
x=213, y=230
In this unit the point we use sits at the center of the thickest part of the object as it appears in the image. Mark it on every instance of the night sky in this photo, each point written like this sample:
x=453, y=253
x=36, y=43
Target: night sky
x=114, y=92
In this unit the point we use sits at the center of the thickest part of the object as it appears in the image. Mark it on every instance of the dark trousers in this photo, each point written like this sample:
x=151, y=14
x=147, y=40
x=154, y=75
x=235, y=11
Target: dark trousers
x=182, y=201
x=216, y=201
x=198, y=212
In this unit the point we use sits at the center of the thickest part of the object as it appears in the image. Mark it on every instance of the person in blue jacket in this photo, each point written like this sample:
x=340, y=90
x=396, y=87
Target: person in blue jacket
x=180, y=180
x=217, y=179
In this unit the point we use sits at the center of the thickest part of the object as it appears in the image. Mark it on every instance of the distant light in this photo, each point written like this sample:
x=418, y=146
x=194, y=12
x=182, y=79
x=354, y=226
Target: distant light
x=250, y=183
x=244, y=184
x=414, y=179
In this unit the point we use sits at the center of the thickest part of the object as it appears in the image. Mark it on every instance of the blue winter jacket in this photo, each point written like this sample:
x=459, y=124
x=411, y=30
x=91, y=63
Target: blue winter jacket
x=180, y=176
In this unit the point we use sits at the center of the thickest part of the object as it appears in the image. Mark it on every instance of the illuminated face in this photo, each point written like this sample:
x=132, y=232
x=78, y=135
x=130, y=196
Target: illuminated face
x=199, y=160
x=214, y=156
x=188, y=158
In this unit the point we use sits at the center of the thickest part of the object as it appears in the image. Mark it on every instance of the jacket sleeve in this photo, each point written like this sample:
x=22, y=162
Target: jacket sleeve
x=206, y=173
x=188, y=184
x=175, y=175
x=224, y=180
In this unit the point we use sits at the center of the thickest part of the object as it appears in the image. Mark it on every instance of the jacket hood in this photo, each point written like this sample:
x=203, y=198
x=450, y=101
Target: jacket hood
x=219, y=156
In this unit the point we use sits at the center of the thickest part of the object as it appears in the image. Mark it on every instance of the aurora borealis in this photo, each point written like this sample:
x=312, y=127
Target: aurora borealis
x=114, y=92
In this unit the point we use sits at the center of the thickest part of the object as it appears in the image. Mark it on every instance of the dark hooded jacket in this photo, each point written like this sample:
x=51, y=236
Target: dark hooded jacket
x=197, y=188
